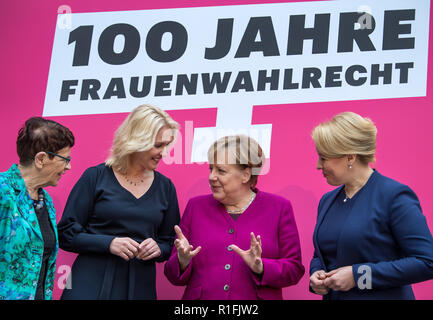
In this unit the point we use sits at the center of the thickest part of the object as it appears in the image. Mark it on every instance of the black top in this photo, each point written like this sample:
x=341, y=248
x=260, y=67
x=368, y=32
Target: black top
x=98, y=210
x=330, y=229
x=49, y=239
x=234, y=216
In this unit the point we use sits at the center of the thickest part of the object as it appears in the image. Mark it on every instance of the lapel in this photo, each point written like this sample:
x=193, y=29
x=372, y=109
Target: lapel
x=321, y=215
x=24, y=202
x=51, y=212
x=358, y=208
x=327, y=203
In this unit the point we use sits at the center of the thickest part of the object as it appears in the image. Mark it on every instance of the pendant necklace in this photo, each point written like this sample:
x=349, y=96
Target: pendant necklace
x=135, y=183
x=346, y=198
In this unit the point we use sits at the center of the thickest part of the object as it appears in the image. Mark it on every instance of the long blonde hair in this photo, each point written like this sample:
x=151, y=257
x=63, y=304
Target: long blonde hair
x=137, y=133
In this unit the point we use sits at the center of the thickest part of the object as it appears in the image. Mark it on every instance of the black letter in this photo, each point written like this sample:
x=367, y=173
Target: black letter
x=67, y=90
x=311, y=76
x=298, y=33
x=332, y=75
x=347, y=32
x=178, y=43
x=161, y=84
x=130, y=48
x=268, y=42
x=145, y=88
x=115, y=88
x=210, y=84
x=350, y=79
x=404, y=70
x=243, y=82
x=90, y=88
x=184, y=82
x=83, y=37
x=288, y=77
x=223, y=40
x=392, y=29
x=386, y=74
x=272, y=80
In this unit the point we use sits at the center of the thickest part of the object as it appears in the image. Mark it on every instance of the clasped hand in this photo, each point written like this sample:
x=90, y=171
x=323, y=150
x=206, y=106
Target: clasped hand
x=127, y=249
x=252, y=256
x=340, y=279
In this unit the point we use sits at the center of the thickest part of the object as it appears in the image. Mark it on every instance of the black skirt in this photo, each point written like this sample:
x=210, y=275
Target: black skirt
x=109, y=277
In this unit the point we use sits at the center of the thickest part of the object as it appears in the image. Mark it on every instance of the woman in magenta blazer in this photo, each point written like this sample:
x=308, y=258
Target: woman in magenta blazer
x=238, y=243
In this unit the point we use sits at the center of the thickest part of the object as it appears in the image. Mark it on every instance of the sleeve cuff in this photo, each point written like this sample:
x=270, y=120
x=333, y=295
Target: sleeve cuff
x=266, y=277
x=173, y=272
x=165, y=252
x=92, y=243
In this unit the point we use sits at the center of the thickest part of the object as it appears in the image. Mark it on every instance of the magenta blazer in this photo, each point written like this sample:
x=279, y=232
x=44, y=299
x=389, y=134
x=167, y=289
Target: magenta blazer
x=217, y=272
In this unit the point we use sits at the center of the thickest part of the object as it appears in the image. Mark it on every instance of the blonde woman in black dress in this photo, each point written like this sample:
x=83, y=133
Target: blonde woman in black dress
x=120, y=215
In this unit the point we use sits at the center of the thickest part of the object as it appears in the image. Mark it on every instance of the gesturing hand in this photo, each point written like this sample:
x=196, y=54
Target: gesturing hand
x=148, y=249
x=126, y=248
x=340, y=279
x=185, y=251
x=253, y=256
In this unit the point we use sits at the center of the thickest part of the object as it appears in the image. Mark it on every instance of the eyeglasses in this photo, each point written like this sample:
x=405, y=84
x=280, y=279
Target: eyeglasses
x=67, y=160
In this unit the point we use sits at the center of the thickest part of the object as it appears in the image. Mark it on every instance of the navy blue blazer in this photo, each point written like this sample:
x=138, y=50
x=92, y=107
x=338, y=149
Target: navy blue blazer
x=385, y=238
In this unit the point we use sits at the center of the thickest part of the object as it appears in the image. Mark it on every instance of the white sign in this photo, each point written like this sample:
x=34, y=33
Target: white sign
x=235, y=57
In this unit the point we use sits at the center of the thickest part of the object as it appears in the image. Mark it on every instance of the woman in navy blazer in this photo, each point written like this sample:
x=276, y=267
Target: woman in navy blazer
x=371, y=238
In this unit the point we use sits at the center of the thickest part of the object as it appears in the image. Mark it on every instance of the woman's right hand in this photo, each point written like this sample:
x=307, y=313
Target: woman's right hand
x=126, y=248
x=184, y=249
x=317, y=282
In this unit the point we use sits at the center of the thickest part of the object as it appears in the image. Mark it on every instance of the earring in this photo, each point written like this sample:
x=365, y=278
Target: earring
x=350, y=166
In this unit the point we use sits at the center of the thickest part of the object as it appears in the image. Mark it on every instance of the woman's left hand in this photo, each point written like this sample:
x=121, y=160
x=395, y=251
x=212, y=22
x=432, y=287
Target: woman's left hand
x=253, y=256
x=148, y=249
x=340, y=279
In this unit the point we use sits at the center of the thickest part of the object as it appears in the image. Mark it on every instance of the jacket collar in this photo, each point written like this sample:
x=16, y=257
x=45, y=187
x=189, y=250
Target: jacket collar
x=333, y=194
x=15, y=178
x=328, y=201
x=25, y=203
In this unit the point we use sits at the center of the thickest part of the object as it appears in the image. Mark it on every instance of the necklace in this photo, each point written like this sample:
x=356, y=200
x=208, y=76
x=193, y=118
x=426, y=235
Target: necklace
x=253, y=195
x=358, y=188
x=346, y=198
x=38, y=204
x=131, y=182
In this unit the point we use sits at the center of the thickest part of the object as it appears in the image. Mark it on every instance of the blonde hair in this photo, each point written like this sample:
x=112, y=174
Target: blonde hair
x=138, y=133
x=240, y=150
x=346, y=133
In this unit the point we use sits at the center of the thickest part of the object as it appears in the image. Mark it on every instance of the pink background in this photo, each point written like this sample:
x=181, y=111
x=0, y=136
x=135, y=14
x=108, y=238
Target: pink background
x=404, y=144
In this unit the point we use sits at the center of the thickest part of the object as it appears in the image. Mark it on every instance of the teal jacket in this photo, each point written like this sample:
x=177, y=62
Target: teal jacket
x=21, y=243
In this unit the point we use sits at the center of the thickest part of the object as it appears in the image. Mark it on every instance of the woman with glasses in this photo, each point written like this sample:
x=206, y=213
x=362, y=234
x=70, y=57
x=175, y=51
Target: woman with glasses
x=120, y=215
x=28, y=234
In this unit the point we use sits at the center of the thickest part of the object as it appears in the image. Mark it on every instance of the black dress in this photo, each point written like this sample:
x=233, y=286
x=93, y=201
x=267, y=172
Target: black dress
x=98, y=210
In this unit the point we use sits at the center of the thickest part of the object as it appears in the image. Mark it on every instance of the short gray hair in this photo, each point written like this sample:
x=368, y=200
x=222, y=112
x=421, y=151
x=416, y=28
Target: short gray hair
x=240, y=150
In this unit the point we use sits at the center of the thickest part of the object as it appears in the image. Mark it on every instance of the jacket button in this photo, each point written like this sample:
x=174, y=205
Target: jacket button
x=231, y=231
x=226, y=287
x=227, y=267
